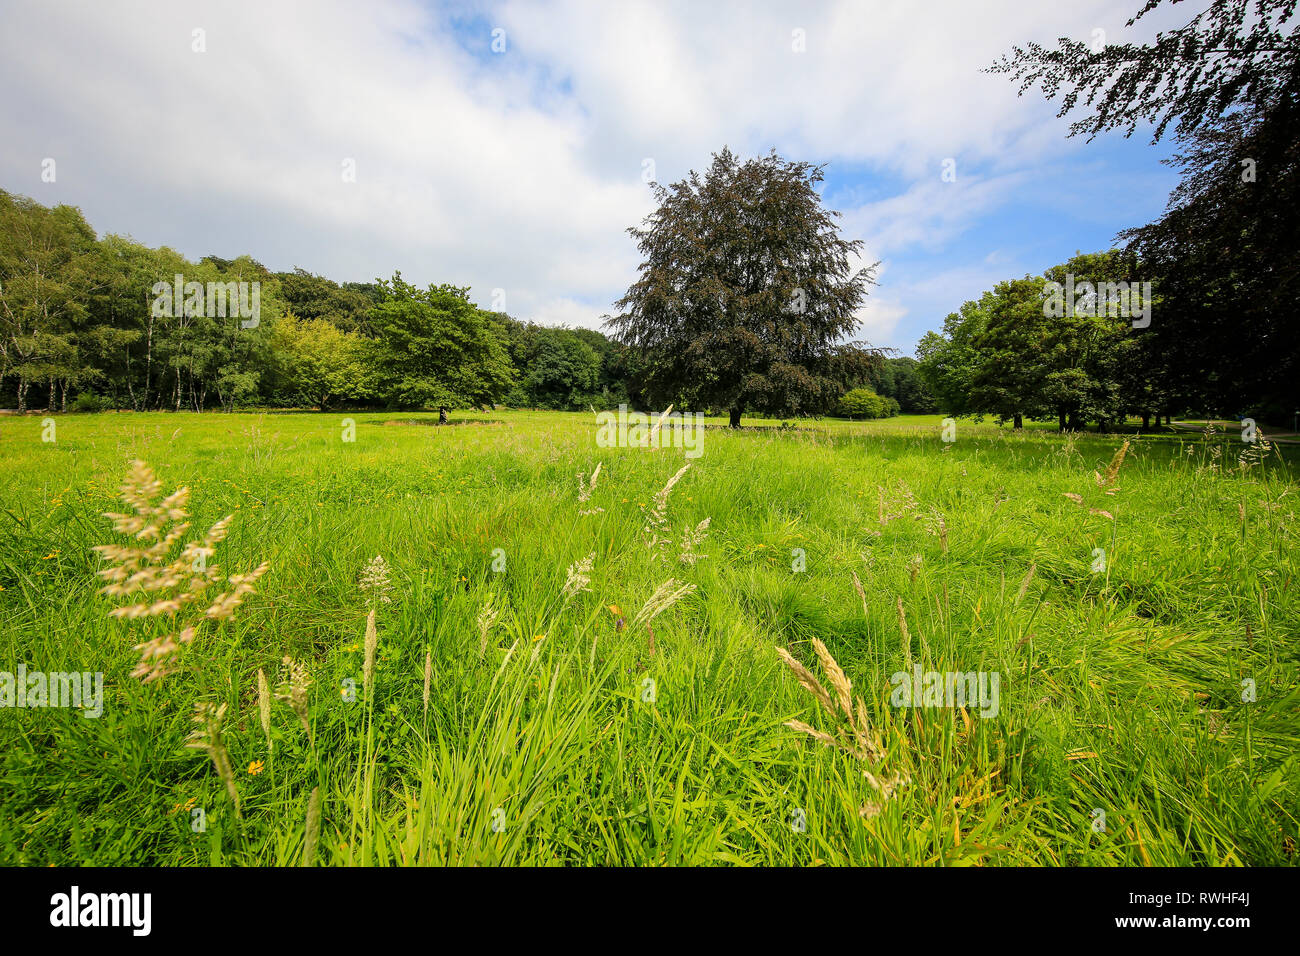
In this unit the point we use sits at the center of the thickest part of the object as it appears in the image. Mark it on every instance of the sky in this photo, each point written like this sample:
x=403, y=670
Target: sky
x=506, y=146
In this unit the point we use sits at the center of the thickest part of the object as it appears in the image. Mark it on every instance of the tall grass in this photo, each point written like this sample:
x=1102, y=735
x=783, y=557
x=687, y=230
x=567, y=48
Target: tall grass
x=562, y=726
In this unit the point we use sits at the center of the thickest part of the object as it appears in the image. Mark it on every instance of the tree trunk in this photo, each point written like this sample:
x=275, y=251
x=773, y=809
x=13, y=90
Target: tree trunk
x=148, y=362
x=22, y=394
x=735, y=417
x=442, y=416
x=1018, y=422
x=1060, y=419
x=1146, y=420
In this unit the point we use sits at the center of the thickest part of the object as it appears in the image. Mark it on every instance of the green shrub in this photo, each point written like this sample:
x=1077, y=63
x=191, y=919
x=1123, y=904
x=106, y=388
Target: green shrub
x=865, y=403
x=88, y=402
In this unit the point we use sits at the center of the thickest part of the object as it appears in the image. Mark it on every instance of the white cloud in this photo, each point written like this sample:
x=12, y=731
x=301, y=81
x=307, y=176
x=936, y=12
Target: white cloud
x=929, y=214
x=879, y=317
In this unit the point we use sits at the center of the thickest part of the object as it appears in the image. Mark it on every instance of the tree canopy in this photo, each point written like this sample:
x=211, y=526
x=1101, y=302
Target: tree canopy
x=1225, y=254
x=745, y=293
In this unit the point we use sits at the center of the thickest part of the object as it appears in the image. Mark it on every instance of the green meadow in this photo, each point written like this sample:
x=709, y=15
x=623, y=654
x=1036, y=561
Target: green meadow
x=1143, y=635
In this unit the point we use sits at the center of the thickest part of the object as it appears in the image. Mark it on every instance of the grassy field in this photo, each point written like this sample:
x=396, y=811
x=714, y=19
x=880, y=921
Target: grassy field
x=1126, y=628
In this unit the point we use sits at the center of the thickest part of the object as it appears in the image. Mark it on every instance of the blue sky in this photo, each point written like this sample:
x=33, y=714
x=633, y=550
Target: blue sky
x=223, y=128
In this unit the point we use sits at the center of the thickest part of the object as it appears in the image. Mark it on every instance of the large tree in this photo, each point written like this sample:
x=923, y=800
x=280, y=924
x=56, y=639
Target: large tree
x=746, y=292
x=1225, y=254
x=1010, y=354
x=316, y=297
x=319, y=363
x=49, y=265
x=434, y=349
x=950, y=359
x=1233, y=54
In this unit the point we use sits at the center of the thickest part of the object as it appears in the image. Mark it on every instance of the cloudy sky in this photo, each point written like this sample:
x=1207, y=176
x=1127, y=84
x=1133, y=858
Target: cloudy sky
x=505, y=146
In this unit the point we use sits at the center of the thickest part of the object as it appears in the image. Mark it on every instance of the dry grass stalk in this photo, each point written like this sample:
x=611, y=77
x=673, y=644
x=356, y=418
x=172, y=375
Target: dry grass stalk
x=428, y=678
x=665, y=596
x=885, y=789
x=1024, y=583
x=691, y=540
x=264, y=707
x=897, y=504
x=293, y=691
x=486, y=618
x=806, y=678
x=935, y=524
x=853, y=736
x=579, y=576
x=839, y=681
x=371, y=644
x=164, y=581
x=375, y=579
x=857, y=586
x=585, y=488
x=654, y=429
x=208, y=738
x=311, y=838
x=657, y=519
x=1112, y=470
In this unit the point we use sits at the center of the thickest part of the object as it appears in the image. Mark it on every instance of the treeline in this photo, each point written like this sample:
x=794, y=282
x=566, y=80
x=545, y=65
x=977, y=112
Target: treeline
x=1054, y=346
x=889, y=387
x=88, y=323
x=1093, y=341
x=1223, y=259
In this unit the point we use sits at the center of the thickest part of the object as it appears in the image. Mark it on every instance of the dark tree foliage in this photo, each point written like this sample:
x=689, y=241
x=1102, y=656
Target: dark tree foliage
x=897, y=378
x=316, y=297
x=1232, y=54
x=1224, y=254
x=745, y=292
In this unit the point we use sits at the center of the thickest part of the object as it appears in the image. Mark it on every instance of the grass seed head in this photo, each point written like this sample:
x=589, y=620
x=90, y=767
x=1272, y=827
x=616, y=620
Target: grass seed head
x=486, y=618
x=208, y=738
x=264, y=707
x=311, y=836
x=372, y=643
x=375, y=579
x=293, y=691
x=665, y=596
x=1112, y=470
x=164, y=580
